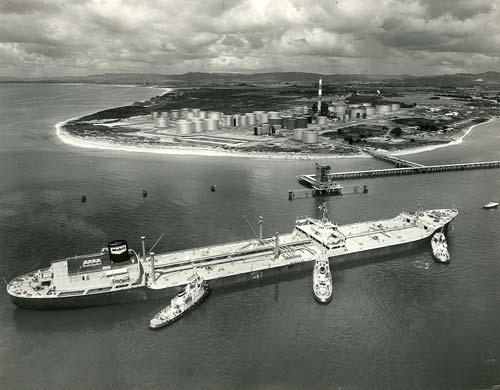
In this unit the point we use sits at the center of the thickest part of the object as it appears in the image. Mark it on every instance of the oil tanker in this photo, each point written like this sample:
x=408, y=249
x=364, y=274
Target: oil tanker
x=118, y=274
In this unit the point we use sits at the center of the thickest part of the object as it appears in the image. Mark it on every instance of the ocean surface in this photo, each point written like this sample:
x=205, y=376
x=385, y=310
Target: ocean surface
x=401, y=323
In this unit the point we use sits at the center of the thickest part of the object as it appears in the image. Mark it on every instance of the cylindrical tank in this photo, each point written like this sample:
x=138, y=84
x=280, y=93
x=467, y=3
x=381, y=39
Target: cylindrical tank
x=290, y=123
x=164, y=114
x=367, y=104
x=162, y=122
x=341, y=109
x=354, y=105
x=297, y=134
x=118, y=251
x=155, y=114
x=275, y=122
x=301, y=122
x=243, y=120
x=228, y=120
x=190, y=115
x=211, y=124
x=195, y=111
x=384, y=108
x=370, y=111
x=250, y=118
x=202, y=114
x=274, y=115
x=198, y=125
x=266, y=127
x=395, y=106
x=175, y=114
x=310, y=136
x=264, y=118
x=184, y=112
x=215, y=115
x=184, y=126
x=321, y=120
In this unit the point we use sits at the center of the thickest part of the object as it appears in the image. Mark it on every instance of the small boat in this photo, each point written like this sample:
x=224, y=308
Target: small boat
x=440, y=248
x=322, y=280
x=212, y=187
x=490, y=205
x=191, y=295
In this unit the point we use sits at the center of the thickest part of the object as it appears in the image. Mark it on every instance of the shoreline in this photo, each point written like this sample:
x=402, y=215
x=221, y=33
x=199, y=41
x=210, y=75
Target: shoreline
x=81, y=142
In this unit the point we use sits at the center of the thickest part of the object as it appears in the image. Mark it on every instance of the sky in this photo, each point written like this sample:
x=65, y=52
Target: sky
x=80, y=37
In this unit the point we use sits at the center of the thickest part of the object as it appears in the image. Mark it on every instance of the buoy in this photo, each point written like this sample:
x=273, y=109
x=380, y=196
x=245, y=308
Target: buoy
x=212, y=187
x=84, y=198
x=144, y=193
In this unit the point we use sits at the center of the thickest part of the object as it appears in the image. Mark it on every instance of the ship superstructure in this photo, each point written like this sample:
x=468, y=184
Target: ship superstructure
x=102, y=278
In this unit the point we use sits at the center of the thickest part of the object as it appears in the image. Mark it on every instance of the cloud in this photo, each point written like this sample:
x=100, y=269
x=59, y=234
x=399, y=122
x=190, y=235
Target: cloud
x=56, y=37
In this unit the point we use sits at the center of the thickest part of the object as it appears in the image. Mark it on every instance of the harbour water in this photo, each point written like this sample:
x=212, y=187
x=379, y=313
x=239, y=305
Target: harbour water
x=405, y=322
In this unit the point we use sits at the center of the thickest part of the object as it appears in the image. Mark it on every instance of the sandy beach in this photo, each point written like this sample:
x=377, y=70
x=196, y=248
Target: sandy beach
x=93, y=143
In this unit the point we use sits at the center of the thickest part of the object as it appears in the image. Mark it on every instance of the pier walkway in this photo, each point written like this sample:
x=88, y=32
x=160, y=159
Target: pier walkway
x=397, y=161
x=408, y=170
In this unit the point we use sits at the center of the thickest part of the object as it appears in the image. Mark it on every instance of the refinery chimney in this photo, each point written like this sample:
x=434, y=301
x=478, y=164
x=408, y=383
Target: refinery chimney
x=319, y=96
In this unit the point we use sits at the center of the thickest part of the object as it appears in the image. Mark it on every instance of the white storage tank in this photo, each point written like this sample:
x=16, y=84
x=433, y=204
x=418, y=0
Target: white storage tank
x=184, y=112
x=161, y=122
x=198, y=125
x=190, y=115
x=211, y=124
x=266, y=128
x=274, y=115
x=310, y=136
x=195, y=111
x=264, y=118
x=215, y=115
x=228, y=120
x=384, y=108
x=202, y=114
x=396, y=106
x=175, y=114
x=370, y=111
x=321, y=120
x=243, y=120
x=367, y=104
x=184, y=126
x=155, y=114
x=250, y=118
x=297, y=134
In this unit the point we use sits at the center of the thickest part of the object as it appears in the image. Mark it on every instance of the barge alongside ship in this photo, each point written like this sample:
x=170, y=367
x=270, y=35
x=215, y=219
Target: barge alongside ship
x=118, y=274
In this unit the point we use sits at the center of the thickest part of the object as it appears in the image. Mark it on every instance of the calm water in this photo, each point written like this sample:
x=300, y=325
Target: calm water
x=392, y=324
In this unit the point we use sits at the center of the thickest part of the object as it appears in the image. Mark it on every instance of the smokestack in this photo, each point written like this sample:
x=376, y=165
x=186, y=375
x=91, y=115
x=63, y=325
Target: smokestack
x=152, y=260
x=277, y=246
x=261, y=221
x=319, y=95
x=143, y=249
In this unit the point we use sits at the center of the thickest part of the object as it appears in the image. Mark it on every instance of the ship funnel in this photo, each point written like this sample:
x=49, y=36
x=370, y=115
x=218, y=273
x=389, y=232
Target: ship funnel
x=118, y=251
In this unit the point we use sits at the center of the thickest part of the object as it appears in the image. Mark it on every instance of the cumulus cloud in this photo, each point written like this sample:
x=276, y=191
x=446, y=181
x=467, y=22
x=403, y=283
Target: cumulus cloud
x=57, y=37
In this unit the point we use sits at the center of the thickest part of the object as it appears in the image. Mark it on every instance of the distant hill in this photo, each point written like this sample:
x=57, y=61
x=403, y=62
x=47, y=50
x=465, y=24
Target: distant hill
x=458, y=79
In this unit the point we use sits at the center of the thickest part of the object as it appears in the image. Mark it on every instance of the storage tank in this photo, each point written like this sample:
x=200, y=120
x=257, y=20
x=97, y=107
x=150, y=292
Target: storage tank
x=321, y=120
x=211, y=124
x=175, y=114
x=290, y=123
x=264, y=118
x=214, y=115
x=195, y=111
x=155, y=114
x=228, y=120
x=396, y=106
x=198, y=125
x=310, y=136
x=243, y=120
x=118, y=251
x=202, y=114
x=301, y=122
x=266, y=128
x=184, y=126
x=367, y=104
x=370, y=111
x=190, y=115
x=184, y=112
x=162, y=122
x=297, y=134
x=274, y=115
x=384, y=108
x=341, y=109
x=250, y=118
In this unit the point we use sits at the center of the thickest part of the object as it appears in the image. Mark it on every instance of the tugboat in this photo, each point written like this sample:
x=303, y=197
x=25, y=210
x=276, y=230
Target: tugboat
x=490, y=205
x=191, y=295
x=322, y=280
x=440, y=248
